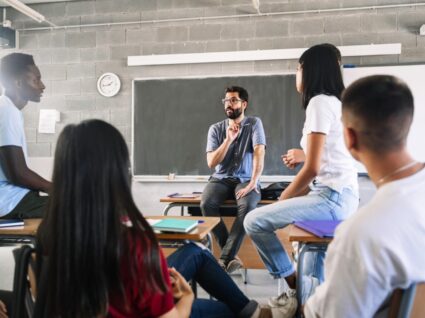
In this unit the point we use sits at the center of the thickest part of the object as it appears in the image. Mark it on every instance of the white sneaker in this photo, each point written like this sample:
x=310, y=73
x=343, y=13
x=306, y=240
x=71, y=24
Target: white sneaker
x=284, y=305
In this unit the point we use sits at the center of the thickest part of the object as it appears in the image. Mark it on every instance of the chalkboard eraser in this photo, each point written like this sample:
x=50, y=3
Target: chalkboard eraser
x=349, y=66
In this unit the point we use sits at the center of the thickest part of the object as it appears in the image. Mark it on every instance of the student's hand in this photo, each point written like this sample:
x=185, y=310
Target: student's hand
x=293, y=157
x=3, y=310
x=181, y=287
x=232, y=132
x=244, y=191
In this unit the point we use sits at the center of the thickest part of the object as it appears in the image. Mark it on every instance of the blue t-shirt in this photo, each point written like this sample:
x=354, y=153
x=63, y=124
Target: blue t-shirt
x=251, y=134
x=11, y=134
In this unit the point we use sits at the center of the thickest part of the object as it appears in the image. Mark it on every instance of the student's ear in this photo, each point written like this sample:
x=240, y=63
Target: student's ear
x=18, y=82
x=351, y=140
x=244, y=104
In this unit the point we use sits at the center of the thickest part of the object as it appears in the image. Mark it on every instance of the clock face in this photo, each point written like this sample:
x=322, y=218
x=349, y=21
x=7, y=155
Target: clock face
x=108, y=84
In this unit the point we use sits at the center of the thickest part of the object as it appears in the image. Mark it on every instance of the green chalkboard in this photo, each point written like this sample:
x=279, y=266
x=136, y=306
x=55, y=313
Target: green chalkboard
x=171, y=118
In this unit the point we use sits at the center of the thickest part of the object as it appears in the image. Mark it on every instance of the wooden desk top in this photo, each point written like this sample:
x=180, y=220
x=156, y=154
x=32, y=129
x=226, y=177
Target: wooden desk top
x=299, y=235
x=31, y=225
x=30, y=228
x=197, y=200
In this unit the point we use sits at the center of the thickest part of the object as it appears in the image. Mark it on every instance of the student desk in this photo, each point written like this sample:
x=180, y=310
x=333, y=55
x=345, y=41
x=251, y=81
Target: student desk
x=26, y=233
x=20, y=234
x=196, y=201
x=307, y=243
x=247, y=253
x=171, y=241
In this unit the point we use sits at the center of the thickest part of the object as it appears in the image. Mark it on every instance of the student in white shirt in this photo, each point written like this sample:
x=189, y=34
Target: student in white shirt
x=19, y=185
x=333, y=195
x=381, y=247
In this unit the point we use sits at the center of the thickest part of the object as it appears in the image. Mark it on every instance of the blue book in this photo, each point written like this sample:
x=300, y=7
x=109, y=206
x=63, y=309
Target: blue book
x=323, y=229
x=11, y=222
x=175, y=225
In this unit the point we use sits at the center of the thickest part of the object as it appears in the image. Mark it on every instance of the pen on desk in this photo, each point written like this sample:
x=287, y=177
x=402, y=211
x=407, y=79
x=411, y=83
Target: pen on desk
x=172, y=194
x=201, y=221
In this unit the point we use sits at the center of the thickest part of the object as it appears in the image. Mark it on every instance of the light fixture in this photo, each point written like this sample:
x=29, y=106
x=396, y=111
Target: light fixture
x=23, y=8
x=257, y=55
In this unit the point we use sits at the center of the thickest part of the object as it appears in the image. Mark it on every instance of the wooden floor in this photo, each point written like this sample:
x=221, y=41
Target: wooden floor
x=248, y=253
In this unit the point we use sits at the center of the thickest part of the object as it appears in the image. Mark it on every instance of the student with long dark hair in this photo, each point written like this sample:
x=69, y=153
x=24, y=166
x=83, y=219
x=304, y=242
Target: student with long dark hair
x=98, y=256
x=326, y=186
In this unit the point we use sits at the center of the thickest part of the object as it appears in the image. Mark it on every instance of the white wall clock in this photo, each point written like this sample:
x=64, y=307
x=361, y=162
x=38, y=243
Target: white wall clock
x=108, y=84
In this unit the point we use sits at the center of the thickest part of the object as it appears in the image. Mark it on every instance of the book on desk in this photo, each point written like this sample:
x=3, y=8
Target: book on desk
x=323, y=229
x=11, y=222
x=191, y=195
x=173, y=225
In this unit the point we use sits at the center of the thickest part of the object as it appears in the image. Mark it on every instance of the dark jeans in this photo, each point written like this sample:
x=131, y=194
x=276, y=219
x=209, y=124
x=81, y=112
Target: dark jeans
x=214, y=194
x=198, y=264
x=32, y=206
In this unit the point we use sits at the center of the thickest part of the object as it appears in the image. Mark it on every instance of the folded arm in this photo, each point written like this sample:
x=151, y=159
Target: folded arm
x=310, y=169
x=13, y=162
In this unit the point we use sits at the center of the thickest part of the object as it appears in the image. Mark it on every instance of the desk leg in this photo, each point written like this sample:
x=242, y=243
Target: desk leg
x=305, y=248
x=302, y=249
x=170, y=206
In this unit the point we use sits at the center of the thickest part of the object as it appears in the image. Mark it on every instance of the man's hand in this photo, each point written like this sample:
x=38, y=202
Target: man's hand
x=243, y=192
x=232, y=131
x=293, y=158
x=3, y=310
x=180, y=286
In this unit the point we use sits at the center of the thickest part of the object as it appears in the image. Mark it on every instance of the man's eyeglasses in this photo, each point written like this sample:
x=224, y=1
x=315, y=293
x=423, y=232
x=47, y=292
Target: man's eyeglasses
x=232, y=101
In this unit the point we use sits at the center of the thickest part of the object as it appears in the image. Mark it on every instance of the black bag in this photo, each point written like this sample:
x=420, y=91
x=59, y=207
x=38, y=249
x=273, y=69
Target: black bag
x=274, y=190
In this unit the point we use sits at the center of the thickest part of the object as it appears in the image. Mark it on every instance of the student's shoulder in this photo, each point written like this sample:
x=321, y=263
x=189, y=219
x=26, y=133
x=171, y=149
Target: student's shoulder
x=218, y=125
x=323, y=100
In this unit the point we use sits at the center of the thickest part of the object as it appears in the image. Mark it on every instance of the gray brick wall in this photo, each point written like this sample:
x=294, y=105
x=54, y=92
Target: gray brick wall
x=72, y=59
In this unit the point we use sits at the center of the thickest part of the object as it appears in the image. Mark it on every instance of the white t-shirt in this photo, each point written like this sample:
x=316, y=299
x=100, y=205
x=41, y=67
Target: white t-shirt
x=337, y=169
x=380, y=248
x=12, y=133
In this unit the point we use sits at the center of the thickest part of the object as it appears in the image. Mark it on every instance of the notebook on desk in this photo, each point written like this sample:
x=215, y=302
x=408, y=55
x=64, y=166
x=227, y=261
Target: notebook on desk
x=175, y=225
x=192, y=195
x=11, y=222
x=323, y=229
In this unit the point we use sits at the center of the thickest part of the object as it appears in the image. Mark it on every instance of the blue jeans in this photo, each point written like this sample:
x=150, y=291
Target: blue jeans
x=198, y=264
x=214, y=194
x=321, y=203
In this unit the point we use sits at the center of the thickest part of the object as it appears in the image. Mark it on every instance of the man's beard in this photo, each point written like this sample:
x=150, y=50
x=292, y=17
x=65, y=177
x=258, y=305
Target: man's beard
x=235, y=113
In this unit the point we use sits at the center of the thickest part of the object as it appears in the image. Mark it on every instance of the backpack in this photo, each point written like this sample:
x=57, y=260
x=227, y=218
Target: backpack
x=274, y=190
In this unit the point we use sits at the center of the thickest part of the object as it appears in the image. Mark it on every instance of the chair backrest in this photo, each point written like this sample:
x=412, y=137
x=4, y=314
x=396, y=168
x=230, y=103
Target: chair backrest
x=24, y=286
x=409, y=303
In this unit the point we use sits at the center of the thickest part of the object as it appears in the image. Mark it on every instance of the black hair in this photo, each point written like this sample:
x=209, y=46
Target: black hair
x=14, y=65
x=382, y=106
x=321, y=73
x=82, y=236
x=335, y=49
x=243, y=93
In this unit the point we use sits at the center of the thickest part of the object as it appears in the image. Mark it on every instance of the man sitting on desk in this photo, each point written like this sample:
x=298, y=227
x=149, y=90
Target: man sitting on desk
x=19, y=185
x=235, y=148
x=381, y=247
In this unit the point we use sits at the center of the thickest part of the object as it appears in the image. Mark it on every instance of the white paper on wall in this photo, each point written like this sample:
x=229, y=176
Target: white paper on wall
x=47, y=121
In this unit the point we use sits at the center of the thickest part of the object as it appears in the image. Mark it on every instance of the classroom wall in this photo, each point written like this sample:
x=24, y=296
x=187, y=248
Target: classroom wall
x=72, y=59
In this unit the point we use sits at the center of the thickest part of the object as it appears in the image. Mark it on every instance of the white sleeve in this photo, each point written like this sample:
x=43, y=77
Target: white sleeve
x=349, y=291
x=10, y=128
x=319, y=115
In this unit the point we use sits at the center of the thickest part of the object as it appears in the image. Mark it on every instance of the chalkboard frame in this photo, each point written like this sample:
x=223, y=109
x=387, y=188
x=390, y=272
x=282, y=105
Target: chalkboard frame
x=204, y=177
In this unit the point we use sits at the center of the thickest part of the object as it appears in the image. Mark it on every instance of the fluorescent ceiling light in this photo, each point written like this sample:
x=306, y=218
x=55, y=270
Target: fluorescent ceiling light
x=257, y=55
x=23, y=8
